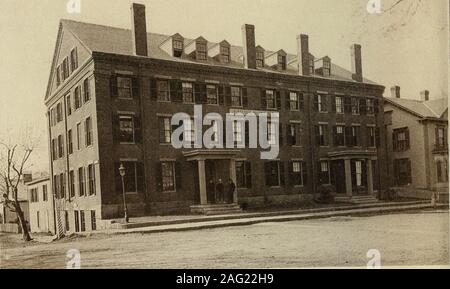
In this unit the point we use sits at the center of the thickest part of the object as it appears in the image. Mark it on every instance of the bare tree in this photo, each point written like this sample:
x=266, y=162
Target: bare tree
x=13, y=162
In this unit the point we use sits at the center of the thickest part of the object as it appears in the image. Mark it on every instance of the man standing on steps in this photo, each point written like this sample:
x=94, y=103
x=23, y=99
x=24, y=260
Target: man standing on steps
x=219, y=191
x=230, y=193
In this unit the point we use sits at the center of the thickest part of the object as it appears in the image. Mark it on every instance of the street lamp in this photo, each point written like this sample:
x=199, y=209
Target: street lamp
x=122, y=174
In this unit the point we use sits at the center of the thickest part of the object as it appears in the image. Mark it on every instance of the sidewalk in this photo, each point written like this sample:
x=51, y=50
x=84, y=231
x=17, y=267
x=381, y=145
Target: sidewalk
x=173, y=224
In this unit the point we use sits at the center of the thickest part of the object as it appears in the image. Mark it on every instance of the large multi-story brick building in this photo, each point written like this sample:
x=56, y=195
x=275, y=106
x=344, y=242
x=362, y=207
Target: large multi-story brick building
x=417, y=144
x=112, y=91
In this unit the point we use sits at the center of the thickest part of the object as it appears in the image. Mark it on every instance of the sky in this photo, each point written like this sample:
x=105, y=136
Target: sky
x=405, y=46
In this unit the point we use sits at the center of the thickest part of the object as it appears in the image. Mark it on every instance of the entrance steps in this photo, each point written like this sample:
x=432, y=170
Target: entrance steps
x=359, y=200
x=216, y=209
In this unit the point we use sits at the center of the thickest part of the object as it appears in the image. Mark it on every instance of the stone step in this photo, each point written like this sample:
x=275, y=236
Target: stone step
x=223, y=212
x=216, y=209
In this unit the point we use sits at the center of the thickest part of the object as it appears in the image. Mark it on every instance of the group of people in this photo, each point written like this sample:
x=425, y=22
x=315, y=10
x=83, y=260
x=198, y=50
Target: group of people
x=217, y=194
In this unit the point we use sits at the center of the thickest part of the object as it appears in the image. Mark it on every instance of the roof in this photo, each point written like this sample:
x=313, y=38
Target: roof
x=107, y=39
x=425, y=109
x=37, y=181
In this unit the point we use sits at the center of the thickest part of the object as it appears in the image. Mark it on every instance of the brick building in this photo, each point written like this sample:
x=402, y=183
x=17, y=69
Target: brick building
x=112, y=91
x=417, y=143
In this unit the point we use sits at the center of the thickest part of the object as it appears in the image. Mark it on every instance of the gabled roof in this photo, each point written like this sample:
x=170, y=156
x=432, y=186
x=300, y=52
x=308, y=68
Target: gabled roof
x=425, y=109
x=113, y=40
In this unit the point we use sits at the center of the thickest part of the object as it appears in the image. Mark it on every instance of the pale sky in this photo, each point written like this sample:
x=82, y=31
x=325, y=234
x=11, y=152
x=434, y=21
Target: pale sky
x=405, y=46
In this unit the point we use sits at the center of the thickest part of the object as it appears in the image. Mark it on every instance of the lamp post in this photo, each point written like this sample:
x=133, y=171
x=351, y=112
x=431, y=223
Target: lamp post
x=122, y=174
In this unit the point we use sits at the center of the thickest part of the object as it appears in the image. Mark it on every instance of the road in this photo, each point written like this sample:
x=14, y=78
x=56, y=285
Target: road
x=404, y=239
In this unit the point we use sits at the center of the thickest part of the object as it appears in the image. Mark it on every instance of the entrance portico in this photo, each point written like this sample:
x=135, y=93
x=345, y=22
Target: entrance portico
x=353, y=172
x=213, y=165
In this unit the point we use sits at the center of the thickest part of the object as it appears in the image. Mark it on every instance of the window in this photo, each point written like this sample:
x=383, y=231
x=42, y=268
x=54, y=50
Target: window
x=126, y=125
x=441, y=141
x=168, y=176
x=358, y=173
x=77, y=221
x=243, y=174
x=56, y=186
x=124, y=87
x=188, y=92
x=66, y=68
x=442, y=171
x=77, y=96
x=400, y=139
x=91, y=179
x=274, y=174
x=324, y=173
x=293, y=101
x=133, y=179
x=66, y=218
x=353, y=137
x=58, y=75
x=87, y=90
x=236, y=96
x=52, y=117
x=339, y=104
x=282, y=62
x=62, y=184
x=34, y=196
x=70, y=144
x=271, y=133
x=93, y=221
x=163, y=90
x=88, y=131
x=371, y=135
x=355, y=106
x=201, y=51
x=189, y=130
x=78, y=136
x=54, y=150
x=177, y=47
x=271, y=102
x=298, y=173
x=60, y=146
x=326, y=70
x=321, y=134
x=211, y=94
x=402, y=172
x=82, y=222
x=370, y=106
x=72, y=184
x=259, y=58
x=81, y=182
x=293, y=134
x=73, y=59
x=59, y=113
x=45, y=193
x=320, y=102
x=339, y=135
x=225, y=54
x=237, y=132
x=165, y=130
x=69, y=105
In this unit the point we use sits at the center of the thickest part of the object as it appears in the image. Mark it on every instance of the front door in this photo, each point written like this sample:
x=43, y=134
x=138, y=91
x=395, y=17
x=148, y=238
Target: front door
x=338, y=170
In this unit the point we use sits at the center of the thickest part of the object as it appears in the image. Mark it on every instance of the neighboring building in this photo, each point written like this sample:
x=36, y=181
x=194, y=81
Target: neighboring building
x=7, y=216
x=417, y=142
x=42, y=218
x=112, y=91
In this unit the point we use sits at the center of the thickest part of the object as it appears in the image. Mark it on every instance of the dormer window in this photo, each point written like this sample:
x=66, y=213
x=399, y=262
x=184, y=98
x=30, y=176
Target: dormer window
x=177, y=47
x=326, y=69
x=224, y=54
x=259, y=56
x=282, y=62
x=201, y=53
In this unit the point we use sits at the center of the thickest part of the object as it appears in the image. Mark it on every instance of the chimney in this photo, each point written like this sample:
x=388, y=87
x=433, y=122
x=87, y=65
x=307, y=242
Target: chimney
x=303, y=54
x=139, y=29
x=395, y=91
x=248, y=34
x=425, y=95
x=27, y=177
x=356, y=63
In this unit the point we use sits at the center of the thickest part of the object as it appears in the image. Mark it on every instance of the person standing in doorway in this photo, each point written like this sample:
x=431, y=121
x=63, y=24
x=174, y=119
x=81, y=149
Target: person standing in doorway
x=219, y=191
x=231, y=189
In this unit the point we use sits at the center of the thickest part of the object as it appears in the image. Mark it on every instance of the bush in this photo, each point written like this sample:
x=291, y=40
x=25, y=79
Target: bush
x=326, y=197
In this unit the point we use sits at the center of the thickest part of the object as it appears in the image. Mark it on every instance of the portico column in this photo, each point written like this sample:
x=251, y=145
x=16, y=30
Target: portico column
x=202, y=182
x=233, y=178
x=348, y=177
x=369, y=177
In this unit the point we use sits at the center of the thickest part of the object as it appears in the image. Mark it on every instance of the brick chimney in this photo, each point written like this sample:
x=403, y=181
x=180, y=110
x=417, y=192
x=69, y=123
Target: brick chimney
x=248, y=34
x=303, y=54
x=356, y=63
x=139, y=29
x=395, y=91
x=425, y=95
x=27, y=177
